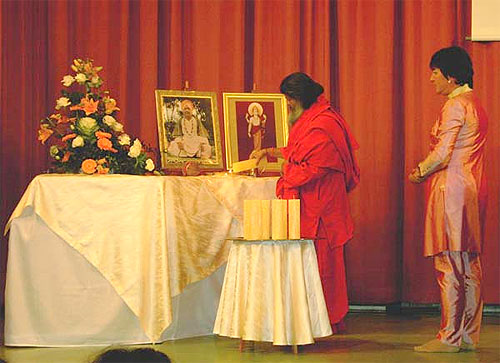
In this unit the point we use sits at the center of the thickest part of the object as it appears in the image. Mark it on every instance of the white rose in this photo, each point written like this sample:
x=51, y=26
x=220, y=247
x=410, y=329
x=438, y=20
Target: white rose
x=62, y=102
x=81, y=78
x=118, y=127
x=124, y=139
x=87, y=125
x=135, y=149
x=67, y=80
x=77, y=142
x=150, y=166
x=109, y=120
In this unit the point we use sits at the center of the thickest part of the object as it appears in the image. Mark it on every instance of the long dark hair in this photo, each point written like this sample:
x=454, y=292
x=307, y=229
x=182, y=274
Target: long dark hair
x=301, y=87
x=454, y=62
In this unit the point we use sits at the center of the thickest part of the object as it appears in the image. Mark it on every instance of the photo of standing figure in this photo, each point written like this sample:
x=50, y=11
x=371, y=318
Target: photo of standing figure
x=256, y=119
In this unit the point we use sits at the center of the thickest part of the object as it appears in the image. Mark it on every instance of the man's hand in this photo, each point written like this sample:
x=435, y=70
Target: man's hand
x=258, y=154
x=415, y=176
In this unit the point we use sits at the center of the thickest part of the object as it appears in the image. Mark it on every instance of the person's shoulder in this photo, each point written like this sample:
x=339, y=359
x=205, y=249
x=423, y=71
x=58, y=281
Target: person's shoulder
x=457, y=103
x=455, y=108
x=326, y=120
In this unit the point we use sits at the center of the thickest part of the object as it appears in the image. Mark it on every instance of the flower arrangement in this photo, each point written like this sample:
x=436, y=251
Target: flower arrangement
x=83, y=133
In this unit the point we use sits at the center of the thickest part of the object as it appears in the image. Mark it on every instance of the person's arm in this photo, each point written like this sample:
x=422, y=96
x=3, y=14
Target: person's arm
x=272, y=151
x=249, y=125
x=453, y=118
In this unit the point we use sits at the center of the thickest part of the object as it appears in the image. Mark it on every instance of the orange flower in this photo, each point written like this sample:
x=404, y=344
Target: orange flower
x=87, y=67
x=106, y=144
x=55, y=116
x=101, y=161
x=64, y=119
x=89, y=166
x=66, y=156
x=87, y=104
x=110, y=105
x=68, y=137
x=44, y=133
x=102, y=170
x=103, y=135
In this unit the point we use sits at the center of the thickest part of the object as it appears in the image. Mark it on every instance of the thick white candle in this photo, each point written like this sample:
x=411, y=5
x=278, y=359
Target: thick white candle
x=279, y=220
x=266, y=219
x=252, y=219
x=294, y=219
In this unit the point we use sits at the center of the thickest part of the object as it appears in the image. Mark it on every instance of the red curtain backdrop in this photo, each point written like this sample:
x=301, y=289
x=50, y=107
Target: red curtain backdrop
x=371, y=56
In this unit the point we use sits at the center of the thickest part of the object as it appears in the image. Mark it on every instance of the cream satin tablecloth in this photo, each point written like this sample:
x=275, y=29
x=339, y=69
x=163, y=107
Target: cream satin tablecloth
x=150, y=237
x=272, y=292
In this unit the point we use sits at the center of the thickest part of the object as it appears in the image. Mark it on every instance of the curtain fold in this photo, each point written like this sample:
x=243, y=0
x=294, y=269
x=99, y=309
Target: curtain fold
x=371, y=57
x=366, y=40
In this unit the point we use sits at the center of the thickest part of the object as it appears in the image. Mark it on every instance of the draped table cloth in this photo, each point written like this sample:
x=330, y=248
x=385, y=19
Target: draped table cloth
x=151, y=239
x=272, y=292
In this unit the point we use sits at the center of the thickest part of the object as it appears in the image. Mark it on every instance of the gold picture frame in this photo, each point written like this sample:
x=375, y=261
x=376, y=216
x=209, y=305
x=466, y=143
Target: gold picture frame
x=188, y=129
x=250, y=117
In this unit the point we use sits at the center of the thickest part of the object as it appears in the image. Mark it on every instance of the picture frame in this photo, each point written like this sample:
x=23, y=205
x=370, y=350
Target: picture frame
x=249, y=117
x=188, y=129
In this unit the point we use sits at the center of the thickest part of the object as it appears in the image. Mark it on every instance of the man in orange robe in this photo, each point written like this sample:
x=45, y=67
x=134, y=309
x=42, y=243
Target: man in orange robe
x=319, y=169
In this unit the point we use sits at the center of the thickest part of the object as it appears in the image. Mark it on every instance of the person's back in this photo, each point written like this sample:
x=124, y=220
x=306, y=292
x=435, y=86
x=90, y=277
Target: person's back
x=469, y=145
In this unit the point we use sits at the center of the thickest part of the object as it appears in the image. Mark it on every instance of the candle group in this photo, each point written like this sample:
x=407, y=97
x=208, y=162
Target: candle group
x=278, y=219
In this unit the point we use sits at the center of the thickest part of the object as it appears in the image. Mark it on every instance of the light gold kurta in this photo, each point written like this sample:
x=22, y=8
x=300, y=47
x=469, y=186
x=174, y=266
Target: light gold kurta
x=457, y=198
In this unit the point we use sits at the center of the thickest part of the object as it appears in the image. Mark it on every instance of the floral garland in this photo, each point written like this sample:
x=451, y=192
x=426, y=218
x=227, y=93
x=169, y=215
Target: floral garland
x=84, y=135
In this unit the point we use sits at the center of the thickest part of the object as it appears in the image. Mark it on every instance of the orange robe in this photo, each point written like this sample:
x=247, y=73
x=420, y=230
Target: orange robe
x=320, y=169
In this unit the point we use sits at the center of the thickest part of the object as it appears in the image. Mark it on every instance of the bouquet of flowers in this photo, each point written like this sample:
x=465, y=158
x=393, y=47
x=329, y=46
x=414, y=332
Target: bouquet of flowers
x=83, y=133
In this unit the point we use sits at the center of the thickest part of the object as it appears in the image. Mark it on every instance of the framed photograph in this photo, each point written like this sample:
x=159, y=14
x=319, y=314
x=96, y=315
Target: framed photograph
x=188, y=129
x=254, y=121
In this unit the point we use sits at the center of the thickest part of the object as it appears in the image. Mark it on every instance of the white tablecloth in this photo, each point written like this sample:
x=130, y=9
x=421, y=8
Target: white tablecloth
x=272, y=292
x=114, y=251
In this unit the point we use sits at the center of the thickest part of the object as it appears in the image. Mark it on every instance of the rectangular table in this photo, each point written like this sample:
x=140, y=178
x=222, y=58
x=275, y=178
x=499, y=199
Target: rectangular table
x=121, y=259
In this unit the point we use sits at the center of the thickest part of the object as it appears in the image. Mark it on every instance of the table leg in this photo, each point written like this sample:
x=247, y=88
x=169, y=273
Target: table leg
x=243, y=343
x=295, y=349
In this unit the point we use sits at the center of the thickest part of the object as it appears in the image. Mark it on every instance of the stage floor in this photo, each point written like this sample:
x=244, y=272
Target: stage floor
x=370, y=337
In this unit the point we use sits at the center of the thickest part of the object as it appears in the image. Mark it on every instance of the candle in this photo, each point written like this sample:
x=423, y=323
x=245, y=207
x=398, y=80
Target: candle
x=266, y=219
x=244, y=165
x=279, y=219
x=252, y=228
x=294, y=219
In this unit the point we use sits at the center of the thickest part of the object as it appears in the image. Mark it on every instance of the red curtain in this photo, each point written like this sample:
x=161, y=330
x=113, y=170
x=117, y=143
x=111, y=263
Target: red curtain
x=371, y=56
